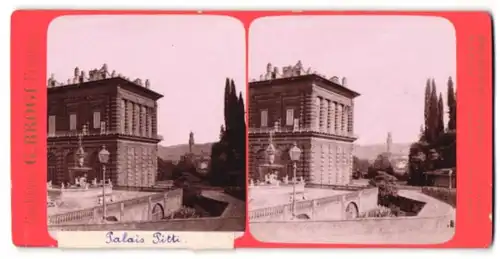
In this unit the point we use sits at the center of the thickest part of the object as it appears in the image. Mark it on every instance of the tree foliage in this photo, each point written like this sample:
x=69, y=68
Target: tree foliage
x=227, y=165
x=436, y=146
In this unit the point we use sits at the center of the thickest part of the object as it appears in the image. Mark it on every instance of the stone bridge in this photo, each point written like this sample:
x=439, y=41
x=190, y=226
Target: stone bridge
x=152, y=207
x=338, y=207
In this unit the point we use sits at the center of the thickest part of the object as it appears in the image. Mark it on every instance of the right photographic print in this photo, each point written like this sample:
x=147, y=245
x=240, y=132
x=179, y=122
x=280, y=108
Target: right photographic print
x=352, y=129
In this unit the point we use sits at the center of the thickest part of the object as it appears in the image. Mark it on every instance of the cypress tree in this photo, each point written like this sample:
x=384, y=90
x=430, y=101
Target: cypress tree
x=227, y=92
x=440, y=125
x=427, y=100
x=452, y=106
x=433, y=113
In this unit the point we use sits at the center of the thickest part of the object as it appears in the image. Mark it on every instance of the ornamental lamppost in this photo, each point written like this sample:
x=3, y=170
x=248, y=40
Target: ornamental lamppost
x=103, y=159
x=294, y=156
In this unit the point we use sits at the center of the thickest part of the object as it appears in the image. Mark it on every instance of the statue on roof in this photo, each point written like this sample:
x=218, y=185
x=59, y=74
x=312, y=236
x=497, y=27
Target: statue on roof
x=51, y=82
x=269, y=70
x=103, y=72
x=82, y=77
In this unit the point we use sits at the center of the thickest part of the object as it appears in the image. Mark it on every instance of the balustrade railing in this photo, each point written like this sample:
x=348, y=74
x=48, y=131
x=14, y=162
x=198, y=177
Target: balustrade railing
x=76, y=133
x=89, y=213
x=266, y=130
x=279, y=209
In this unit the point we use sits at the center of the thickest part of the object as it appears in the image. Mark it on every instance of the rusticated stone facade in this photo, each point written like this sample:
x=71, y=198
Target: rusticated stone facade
x=108, y=110
x=307, y=109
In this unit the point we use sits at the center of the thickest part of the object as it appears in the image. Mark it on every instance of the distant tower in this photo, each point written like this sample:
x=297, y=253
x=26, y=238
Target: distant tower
x=389, y=142
x=191, y=142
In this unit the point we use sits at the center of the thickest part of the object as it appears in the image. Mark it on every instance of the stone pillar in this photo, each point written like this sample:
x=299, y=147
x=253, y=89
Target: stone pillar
x=150, y=208
x=130, y=117
x=122, y=211
x=142, y=121
x=150, y=122
x=338, y=166
x=324, y=115
x=350, y=127
x=331, y=168
x=95, y=214
x=322, y=171
x=337, y=118
x=286, y=212
x=346, y=119
x=123, y=117
x=317, y=114
x=314, y=209
x=331, y=117
x=137, y=120
x=154, y=121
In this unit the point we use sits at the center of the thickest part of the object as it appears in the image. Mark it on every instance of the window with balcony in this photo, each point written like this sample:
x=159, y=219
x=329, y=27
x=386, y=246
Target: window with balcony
x=97, y=120
x=263, y=118
x=72, y=121
x=289, y=117
x=52, y=125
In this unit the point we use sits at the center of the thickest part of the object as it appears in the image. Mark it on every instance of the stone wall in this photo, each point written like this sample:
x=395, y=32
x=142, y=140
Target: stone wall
x=199, y=224
x=137, y=209
x=327, y=208
x=368, y=230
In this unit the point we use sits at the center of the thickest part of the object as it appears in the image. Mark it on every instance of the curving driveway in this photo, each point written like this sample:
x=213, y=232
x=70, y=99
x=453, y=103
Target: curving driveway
x=430, y=226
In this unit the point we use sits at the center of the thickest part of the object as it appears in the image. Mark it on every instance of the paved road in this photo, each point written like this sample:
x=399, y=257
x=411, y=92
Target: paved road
x=409, y=237
x=429, y=227
x=235, y=207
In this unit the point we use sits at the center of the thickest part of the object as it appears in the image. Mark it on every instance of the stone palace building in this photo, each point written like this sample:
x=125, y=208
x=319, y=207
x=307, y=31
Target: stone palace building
x=108, y=109
x=295, y=105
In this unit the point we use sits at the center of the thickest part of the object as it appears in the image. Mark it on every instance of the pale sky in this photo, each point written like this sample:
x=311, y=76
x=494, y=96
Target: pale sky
x=387, y=59
x=186, y=58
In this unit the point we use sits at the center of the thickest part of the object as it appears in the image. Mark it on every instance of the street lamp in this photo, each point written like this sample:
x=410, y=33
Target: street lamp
x=103, y=159
x=294, y=156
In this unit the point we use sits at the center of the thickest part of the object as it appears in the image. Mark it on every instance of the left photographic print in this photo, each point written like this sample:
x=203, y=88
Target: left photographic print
x=145, y=124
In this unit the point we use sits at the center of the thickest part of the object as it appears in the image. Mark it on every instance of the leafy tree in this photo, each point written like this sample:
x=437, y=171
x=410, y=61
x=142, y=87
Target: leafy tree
x=360, y=166
x=436, y=147
x=165, y=169
x=387, y=192
x=381, y=164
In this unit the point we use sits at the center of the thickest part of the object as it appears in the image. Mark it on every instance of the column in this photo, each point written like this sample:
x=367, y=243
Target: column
x=350, y=127
x=331, y=117
x=150, y=123
x=146, y=123
x=324, y=115
x=137, y=120
x=346, y=119
x=317, y=118
x=150, y=208
x=322, y=164
x=143, y=121
x=130, y=117
x=123, y=116
x=337, y=118
x=154, y=122
x=338, y=165
x=122, y=211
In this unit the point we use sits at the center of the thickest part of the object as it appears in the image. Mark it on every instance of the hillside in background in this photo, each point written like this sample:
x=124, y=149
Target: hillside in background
x=175, y=152
x=371, y=152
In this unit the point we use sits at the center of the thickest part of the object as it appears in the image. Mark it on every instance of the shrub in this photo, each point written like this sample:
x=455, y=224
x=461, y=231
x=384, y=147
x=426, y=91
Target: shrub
x=185, y=213
x=379, y=212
